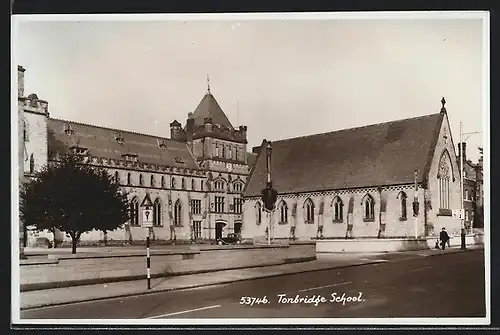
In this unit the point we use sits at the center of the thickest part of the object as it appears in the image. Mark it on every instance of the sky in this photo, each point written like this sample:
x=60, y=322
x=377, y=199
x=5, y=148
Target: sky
x=281, y=78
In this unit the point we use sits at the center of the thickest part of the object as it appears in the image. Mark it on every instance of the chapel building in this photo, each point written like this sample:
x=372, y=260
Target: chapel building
x=359, y=183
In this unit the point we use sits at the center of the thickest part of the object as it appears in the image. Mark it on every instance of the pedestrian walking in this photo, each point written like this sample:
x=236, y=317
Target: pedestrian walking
x=444, y=238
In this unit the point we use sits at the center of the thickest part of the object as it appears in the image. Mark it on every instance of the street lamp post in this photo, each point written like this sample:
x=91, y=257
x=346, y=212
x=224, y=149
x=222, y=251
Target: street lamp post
x=462, y=218
x=269, y=195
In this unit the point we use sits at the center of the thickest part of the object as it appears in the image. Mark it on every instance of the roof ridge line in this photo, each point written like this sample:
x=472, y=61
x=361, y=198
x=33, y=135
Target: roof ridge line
x=113, y=129
x=354, y=128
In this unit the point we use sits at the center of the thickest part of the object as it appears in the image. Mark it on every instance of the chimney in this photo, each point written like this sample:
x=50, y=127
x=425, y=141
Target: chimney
x=20, y=81
x=256, y=150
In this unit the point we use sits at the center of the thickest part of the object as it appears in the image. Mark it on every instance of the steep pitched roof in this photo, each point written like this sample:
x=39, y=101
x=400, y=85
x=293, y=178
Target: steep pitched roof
x=381, y=154
x=209, y=107
x=101, y=142
x=251, y=159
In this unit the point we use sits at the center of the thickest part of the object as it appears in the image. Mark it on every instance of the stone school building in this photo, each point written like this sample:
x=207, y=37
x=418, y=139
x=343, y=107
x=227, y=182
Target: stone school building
x=359, y=183
x=194, y=179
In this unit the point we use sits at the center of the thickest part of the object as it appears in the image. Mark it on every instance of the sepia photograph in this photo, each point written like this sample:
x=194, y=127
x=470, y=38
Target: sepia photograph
x=260, y=169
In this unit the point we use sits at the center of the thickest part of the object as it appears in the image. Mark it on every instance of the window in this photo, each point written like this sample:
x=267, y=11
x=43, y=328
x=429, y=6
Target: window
x=402, y=199
x=258, y=212
x=25, y=131
x=183, y=184
x=201, y=185
x=134, y=212
x=238, y=205
x=157, y=213
x=173, y=183
x=140, y=179
x=197, y=229
x=238, y=187
x=178, y=213
x=466, y=194
x=219, y=204
x=216, y=149
x=369, y=208
x=152, y=181
x=196, y=206
x=128, y=178
x=338, y=210
x=230, y=152
x=117, y=177
x=236, y=155
x=223, y=151
x=309, y=211
x=444, y=183
x=163, y=181
x=283, y=212
x=219, y=185
x=193, y=184
x=32, y=163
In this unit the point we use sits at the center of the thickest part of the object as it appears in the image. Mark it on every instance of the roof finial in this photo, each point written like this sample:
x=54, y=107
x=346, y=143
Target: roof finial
x=208, y=83
x=443, y=102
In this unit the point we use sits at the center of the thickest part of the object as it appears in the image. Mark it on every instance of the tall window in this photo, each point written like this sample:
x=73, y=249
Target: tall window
x=466, y=194
x=25, y=131
x=163, y=181
x=216, y=149
x=219, y=204
x=338, y=210
x=193, y=184
x=157, y=213
x=134, y=212
x=178, y=213
x=369, y=208
x=283, y=212
x=152, y=181
x=402, y=199
x=196, y=206
x=444, y=183
x=117, y=177
x=141, y=181
x=258, y=212
x=223, y=151
x=129, y=179
x=230, y=152
x=172, y=184
x=183, y=183
x=197, y=229
x=238, y=205
x=309, y=211
x=201, y=185
x=32, y=164
x=238, y=186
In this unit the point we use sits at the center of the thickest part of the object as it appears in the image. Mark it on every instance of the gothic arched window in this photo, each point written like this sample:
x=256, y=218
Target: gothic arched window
x=402, y=198
x=444, y=182
x=178, y=213
x=258, y=212
x=369, y=208
x=309, y=211
x=157, y=213
x=338, y=210
x=134, y=212
x=283, y=212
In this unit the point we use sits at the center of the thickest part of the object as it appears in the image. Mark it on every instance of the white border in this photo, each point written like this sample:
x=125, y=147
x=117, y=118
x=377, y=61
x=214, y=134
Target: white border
x=257, y=16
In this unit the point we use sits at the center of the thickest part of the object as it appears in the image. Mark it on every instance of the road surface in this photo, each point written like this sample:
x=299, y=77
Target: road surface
x=439, y=286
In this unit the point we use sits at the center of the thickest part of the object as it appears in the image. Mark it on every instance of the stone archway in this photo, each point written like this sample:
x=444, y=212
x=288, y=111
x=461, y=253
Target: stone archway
x=237, y=227
x=219, y=227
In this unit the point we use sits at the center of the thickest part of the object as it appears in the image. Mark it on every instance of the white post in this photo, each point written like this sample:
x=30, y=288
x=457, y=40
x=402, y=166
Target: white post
x=269, y=228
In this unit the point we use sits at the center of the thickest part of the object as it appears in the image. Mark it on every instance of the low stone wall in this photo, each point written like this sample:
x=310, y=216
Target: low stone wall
x=71, y=270
x=330, y=246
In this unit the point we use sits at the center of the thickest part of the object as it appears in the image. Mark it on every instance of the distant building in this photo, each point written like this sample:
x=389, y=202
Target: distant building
x=359, y=182
x=473, y=190
x=194, y=179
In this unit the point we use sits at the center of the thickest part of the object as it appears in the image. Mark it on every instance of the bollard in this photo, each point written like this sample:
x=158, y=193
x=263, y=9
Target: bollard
x=148, y=264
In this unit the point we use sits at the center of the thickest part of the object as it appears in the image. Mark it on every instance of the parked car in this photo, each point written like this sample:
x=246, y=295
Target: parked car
x=230, y=239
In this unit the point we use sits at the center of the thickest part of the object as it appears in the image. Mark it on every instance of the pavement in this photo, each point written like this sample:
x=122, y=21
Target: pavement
x=64, y=301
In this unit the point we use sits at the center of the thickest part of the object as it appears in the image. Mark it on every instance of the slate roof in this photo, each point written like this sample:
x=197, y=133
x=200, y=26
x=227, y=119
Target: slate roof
x=209, y=107
x=101, y=142
x=375, y=155
x=251, y=159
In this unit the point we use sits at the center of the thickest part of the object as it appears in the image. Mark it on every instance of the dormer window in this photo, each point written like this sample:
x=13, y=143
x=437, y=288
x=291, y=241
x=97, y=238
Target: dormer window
x=119, y=137
x=162, y=144
x=130, y=157
x=179, y=160
x=77, y=150
x=68, y=129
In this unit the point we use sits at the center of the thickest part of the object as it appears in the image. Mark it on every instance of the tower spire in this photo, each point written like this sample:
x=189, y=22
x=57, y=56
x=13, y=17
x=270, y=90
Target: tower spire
x=443, y=108
x=208, y=83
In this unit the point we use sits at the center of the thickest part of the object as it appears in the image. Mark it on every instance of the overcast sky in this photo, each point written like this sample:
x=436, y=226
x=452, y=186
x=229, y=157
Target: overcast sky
x=281, y=78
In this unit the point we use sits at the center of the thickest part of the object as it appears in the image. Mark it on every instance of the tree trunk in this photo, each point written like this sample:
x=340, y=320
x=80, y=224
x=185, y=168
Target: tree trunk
x=74, y=242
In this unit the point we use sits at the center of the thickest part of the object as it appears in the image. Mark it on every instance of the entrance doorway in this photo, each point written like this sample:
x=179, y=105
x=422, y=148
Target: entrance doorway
x=219, y=226
x=237, y=228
